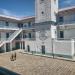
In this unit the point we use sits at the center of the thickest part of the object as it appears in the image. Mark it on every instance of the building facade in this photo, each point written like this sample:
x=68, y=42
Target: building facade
x=50, y=32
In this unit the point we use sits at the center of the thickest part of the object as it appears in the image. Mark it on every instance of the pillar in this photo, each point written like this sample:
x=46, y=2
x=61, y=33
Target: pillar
x=20, y=45
x=22, y=40
x=11, y=47
x=5, y=47
x=72, y=47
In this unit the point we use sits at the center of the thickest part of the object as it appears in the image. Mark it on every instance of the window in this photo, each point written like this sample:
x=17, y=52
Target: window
x=43, y=49
x=61, y=19
x=42, y=12
x=29, y=24
x=28, y=48
x=7, y=24
x=7, y=35
x=24, y=36
x=29, y=35
x=61, y=34
x=20, y=25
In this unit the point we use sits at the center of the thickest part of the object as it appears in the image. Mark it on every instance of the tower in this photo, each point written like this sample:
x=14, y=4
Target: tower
x=45, y=10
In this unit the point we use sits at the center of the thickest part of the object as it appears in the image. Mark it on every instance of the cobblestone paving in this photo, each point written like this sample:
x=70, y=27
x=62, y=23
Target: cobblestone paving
x=36, y=65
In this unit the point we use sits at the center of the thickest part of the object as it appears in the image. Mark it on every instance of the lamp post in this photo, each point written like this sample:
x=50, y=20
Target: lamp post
x=52, y=48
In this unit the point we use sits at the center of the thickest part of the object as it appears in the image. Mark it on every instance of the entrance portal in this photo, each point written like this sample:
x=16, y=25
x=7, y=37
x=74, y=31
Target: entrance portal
x=28, y=48
x=43, y=49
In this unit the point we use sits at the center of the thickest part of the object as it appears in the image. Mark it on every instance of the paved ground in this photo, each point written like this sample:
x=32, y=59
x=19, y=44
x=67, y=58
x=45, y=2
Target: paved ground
x=36, y=65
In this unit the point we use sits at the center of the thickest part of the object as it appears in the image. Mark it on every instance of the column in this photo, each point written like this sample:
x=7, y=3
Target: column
x=72, y=47
x=11, y=47
x=20, y=45
x=22, y=40
x=5, y=47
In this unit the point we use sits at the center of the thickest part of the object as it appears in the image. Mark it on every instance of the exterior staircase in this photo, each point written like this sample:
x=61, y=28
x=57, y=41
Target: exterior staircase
x=11, y=38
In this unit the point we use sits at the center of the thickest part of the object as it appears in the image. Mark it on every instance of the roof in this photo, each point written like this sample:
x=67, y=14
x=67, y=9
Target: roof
x=11, y=17
x=16, y=18
x=67, y=8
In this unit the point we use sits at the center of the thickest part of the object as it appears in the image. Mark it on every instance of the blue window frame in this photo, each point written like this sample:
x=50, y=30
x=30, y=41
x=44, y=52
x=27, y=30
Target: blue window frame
x=61, y=19
x=7, y=23
x=61, y=34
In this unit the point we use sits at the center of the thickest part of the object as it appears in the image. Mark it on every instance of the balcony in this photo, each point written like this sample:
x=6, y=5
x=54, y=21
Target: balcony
x=9, y=27
x=15, y=27
x=72, y=22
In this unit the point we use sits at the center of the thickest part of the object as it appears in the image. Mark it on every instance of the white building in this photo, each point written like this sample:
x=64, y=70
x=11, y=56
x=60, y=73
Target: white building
x=50, y=32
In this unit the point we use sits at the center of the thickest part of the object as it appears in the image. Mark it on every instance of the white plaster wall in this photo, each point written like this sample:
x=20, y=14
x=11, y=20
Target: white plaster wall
x=47, y=42
x=13, y=45
x=69, y=33
x=32, y=45
x=36, y=44
x=62, y=47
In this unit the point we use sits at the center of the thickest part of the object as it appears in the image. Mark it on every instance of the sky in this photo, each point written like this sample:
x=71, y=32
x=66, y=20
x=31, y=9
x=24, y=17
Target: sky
x=22, y=8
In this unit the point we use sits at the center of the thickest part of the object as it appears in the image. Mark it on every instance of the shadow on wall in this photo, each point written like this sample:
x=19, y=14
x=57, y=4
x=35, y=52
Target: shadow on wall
x=4, y=71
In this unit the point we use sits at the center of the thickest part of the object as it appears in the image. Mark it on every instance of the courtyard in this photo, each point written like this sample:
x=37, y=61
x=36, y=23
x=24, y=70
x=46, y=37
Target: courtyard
x=36, y=65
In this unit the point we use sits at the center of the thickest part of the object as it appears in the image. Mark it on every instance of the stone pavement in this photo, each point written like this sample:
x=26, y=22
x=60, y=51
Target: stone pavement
x=36, y=65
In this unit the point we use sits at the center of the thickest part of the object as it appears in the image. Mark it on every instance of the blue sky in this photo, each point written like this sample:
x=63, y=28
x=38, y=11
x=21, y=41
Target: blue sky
x=25, y=7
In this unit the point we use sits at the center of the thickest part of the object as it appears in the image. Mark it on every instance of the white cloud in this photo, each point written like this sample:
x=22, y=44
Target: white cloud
x=7, y=13
x=68, y=1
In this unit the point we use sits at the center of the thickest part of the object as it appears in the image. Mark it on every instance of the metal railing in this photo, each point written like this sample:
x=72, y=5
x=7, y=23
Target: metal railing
x=67, y=22
x=15, y=27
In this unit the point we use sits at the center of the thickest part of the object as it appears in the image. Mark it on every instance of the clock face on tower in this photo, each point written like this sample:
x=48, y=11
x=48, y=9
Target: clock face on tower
x=42, y=35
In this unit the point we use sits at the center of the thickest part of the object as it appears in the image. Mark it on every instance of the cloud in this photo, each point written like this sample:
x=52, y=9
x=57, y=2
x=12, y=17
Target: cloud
x=66, y=3
x=10, y=13
x=7, y=12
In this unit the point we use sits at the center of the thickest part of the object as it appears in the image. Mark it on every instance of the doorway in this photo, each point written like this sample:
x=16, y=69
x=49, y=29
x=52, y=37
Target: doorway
x=17, y=45
x=28, y=48
x=43, y=49
x=7, y=47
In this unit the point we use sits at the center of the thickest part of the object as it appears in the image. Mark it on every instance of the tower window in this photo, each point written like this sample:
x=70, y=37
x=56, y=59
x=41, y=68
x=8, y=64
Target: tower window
x=42, y=12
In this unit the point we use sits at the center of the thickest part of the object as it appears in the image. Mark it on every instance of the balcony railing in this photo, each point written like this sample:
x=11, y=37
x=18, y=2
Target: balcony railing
x=15, y=27
x=9, y=27
x=67, y=22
